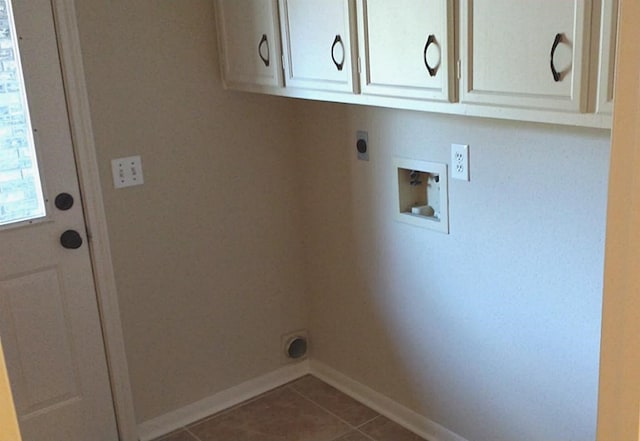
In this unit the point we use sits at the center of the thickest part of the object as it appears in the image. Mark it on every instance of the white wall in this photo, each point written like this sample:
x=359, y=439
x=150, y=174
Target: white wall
x=207, y=253
x=491, y=331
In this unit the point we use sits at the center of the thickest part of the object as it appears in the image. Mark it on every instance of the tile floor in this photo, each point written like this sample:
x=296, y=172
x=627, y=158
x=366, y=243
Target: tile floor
x=304, y=410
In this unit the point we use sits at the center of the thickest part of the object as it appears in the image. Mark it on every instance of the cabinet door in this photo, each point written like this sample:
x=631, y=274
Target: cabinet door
x=406, y=48
x=249, y=38
x=606, y=76
x=318, y=49
x=525, y=53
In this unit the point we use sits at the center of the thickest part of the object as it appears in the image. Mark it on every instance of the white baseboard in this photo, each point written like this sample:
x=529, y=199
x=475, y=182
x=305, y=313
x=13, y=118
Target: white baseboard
x=191, y=413
x=407, y=418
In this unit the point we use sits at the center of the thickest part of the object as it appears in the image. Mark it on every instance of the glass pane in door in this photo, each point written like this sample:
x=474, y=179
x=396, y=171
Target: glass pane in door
x=20, y=187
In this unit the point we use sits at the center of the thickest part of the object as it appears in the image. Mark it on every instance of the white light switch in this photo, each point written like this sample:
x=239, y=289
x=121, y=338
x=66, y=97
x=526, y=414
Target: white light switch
x=127, y=172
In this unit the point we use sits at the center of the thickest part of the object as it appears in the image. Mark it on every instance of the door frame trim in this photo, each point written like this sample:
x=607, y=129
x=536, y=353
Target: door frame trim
x=619, y=389
x=84, y=148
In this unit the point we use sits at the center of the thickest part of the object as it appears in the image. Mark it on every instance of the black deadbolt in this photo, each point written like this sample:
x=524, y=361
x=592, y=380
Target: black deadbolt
x=64, y=201
x=361, y=145
x=71, y=239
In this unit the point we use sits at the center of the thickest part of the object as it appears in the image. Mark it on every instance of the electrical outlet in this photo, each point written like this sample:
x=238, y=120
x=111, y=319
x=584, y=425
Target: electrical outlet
x=460, y=162
x=362, y=145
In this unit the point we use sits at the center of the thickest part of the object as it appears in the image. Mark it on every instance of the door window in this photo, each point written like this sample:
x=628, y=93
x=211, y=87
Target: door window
x=21, y=196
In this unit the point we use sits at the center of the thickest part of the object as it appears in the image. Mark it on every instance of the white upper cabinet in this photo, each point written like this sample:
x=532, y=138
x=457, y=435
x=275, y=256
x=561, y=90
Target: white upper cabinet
x=530, y=60
x=249, y=39
x=525, y=53
x=606, y=71
x=318, y=47
x=406, y=48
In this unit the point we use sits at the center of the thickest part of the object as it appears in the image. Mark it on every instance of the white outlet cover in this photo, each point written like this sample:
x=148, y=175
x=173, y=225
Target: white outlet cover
x=127, y=172
x=460, y=162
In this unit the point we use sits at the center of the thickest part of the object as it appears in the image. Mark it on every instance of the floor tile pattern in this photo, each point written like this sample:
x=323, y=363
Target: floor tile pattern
x=304, y=410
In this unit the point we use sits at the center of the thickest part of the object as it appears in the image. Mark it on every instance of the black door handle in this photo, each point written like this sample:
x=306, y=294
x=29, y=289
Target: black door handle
x=71, y=240
x=64, y=201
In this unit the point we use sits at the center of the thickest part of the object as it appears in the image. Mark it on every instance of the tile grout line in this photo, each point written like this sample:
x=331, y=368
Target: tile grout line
x=353, y=429
x=232, y=408
x=223, y=412
x=365, y=435
x=193, y=435
x=356, y=428
x=369, y=421
x=351, y=426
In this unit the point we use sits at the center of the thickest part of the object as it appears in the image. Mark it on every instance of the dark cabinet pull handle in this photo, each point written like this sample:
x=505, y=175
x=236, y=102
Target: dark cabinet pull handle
x=554, y=72
x=264, y=41
x=432, y=70
x=339, y=64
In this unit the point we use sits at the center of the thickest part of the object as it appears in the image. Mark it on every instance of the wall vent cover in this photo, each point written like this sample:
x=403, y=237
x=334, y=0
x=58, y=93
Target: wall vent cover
x=296, y=345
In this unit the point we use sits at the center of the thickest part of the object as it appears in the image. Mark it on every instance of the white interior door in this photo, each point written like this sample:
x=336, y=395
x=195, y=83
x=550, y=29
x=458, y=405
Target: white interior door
x=49, y=321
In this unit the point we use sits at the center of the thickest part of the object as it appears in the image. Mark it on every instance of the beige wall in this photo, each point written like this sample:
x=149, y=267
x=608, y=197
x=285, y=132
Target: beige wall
x=256, y=219
x=491, y=331
x=207, y=253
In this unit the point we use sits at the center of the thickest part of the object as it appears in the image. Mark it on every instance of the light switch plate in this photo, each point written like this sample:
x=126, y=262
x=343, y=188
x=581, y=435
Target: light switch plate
x=127, y=172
